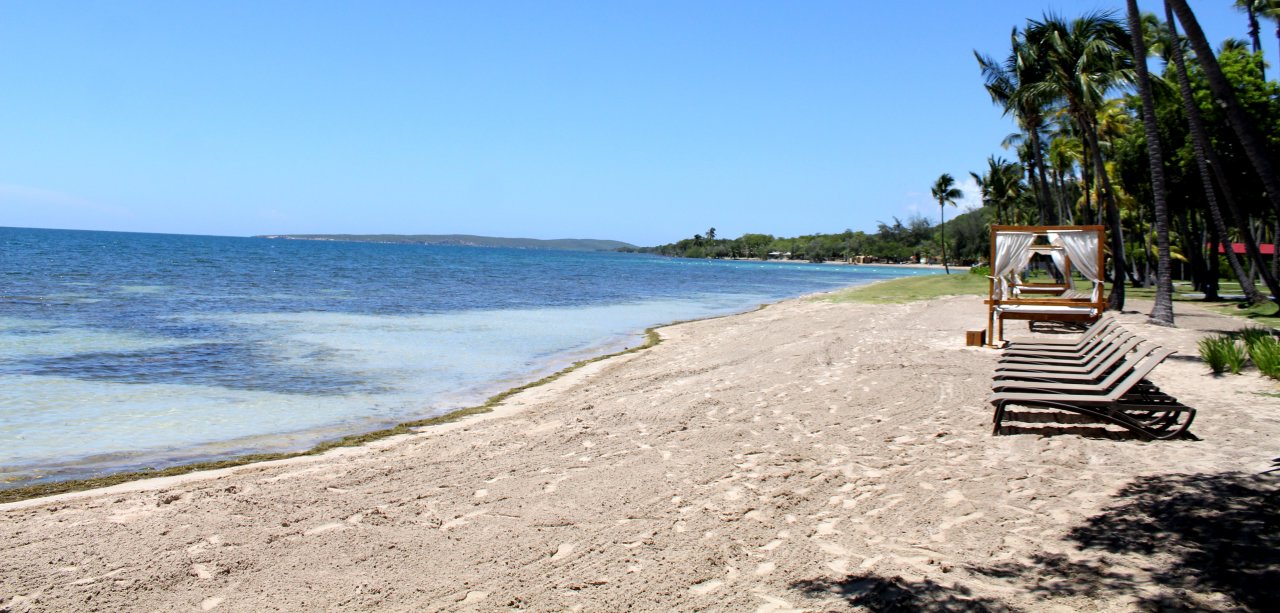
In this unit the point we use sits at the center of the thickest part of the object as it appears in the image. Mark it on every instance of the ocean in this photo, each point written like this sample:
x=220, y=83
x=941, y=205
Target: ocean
x=121, y=351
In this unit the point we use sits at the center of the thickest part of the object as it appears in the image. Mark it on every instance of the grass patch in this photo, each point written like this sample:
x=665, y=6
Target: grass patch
x=61, y=487
x=1222, y=353
x=1264, y=351
x=911, y=289
x=1265, y=314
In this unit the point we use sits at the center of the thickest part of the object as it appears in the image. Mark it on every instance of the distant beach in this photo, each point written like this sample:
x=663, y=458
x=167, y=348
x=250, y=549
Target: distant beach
x=806, y=456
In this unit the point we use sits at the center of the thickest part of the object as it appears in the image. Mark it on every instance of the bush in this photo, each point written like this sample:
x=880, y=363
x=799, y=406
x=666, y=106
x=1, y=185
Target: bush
x=1253, y=334
x=1222, y=353
x=1265, y=353
x=980, y=270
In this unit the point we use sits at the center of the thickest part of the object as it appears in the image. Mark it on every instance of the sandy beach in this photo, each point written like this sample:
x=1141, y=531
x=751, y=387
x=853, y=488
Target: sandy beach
x=806, y=456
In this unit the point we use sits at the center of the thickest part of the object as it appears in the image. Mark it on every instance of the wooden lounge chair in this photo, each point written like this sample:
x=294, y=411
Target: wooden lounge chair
x=1111, y=337
x=1102, y=348
x=1131, y=403
x=1102, y=326
x=1048, y=384
x=1091, y=374
x=1086, y=366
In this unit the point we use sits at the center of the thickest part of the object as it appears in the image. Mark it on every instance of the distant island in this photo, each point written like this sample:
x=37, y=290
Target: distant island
x=463, y=240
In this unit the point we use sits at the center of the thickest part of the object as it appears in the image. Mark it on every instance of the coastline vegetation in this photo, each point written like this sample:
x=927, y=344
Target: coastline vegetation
x=916, y=240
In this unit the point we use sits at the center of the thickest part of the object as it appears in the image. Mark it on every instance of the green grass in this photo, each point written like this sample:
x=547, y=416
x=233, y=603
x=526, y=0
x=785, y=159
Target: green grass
x=911, y=289
x=1264, y=314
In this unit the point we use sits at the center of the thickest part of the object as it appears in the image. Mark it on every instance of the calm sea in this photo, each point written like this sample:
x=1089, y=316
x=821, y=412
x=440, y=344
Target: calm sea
x=121, y=350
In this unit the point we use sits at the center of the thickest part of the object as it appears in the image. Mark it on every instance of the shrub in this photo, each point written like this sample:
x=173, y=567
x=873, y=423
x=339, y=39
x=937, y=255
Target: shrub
x=1222, y=353
x=1253, y=334
x=1265, y=353
x=980, y=270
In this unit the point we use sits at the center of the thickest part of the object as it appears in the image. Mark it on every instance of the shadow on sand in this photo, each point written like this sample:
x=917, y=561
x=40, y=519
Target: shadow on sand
x=1206, y=541
x=893, y=594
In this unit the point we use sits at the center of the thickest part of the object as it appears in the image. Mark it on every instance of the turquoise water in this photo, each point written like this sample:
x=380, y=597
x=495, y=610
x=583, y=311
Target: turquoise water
x=121, y=350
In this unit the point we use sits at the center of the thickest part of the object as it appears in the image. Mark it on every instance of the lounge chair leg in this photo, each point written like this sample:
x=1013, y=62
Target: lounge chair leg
x=997, y=418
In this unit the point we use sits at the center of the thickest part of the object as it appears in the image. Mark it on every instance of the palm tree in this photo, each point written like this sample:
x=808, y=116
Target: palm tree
x=1064, y=154
x=944, y=191
x=1253, y=8
x=1203, y=153
x=1245, y=131
x=1007, y=85
x=1162, y=312
x=1001, y=186
x=1082, y=61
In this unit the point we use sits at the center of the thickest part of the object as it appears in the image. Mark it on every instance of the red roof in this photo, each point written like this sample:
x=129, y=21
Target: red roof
x=1239, y=248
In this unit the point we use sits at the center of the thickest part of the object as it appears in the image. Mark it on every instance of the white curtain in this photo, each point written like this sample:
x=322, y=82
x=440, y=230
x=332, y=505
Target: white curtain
x=1082, y=247
x=1013, y=250
x=1059, y=258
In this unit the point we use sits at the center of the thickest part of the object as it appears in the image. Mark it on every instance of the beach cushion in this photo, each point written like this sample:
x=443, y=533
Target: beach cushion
x=1046, y=309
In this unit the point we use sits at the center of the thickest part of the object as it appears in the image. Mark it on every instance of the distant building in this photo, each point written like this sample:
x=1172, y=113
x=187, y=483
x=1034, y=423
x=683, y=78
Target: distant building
x=1239, y=249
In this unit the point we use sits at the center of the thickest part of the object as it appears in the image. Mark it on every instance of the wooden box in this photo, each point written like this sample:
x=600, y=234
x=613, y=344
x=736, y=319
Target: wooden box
x=975, y=338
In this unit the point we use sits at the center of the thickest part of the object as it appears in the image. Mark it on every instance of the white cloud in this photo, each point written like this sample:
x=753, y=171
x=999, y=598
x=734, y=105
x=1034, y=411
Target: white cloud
x=972, y=194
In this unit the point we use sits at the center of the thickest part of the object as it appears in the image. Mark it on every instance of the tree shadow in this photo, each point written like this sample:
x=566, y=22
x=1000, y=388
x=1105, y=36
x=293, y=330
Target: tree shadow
x=895, y=594
x=1213, y=541
x=1167, y=543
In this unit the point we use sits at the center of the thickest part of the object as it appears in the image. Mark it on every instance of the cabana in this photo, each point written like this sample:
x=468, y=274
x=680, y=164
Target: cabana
x=1070, y=248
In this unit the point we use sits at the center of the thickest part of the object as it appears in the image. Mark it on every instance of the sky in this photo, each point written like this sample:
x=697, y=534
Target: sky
x=640, y=121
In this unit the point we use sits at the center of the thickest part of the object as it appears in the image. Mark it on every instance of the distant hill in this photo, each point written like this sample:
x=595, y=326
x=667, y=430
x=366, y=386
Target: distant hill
x=463, y=240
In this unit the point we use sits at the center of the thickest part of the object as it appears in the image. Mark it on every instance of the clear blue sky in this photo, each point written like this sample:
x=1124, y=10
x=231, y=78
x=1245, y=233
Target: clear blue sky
x=641, y=121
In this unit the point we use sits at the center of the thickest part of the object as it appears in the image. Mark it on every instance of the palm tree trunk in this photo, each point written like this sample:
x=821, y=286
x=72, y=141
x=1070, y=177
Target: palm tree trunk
x=1041, y=187
x=1162, y=311
x=1086, y=183
x=1194, y=246
x=1241, y=222
x=1203, y=151
x=1064, y=209
x=942, y=233
x=1240, y=122
x=1254, y=38
x=1115, y=300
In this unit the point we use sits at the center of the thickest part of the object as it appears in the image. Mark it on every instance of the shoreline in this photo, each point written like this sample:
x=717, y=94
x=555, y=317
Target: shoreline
x=57, y=490
x=59, y=487
x=806, y=455
x=184, y=471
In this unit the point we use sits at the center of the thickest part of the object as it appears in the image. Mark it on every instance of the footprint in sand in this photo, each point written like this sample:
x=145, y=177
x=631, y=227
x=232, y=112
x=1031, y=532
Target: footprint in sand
x=773, y=604
x=200, y=571
x=706, y=587
x=562, y=551
x=325, y=528
x=211, y=602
